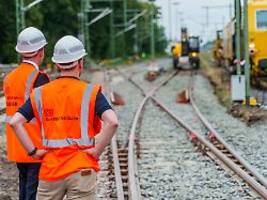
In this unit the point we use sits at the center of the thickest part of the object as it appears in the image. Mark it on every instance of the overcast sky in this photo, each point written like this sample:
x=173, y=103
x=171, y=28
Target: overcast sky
x=192, y=14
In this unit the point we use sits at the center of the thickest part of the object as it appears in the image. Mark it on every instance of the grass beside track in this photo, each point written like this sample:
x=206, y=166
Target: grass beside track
x=218, y=79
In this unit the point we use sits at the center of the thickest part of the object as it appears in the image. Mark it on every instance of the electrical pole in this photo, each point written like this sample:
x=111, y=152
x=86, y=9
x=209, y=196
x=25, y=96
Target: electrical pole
x=81, y=16
x=170, y=20
x=246, y=46
x=22, y=12
x=112, y=38
x=135, y=46
x=18, y=23
x=237, y=38
x=87, y=33
x=125, y=25
x=152, y=31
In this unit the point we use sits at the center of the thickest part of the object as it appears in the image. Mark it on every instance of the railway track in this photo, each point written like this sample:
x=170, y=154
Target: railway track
x=122, y=153
x=215, y=138
x=121, y=160
x=217, y=149
x=235, y=162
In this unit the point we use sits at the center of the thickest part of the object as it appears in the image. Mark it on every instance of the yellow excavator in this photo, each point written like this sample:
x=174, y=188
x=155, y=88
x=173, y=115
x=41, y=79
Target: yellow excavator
x=176, y=53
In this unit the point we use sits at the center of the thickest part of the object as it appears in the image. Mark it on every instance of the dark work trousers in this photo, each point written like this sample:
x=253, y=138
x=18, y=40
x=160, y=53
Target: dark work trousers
x=28, y=180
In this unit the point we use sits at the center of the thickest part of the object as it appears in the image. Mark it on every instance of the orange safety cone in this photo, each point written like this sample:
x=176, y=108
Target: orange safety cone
x=183, y=97
x=151, y=76
x=116, y=99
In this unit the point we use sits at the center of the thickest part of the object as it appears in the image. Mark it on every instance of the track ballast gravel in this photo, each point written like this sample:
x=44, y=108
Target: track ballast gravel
x=169, y=168
x=249, y=142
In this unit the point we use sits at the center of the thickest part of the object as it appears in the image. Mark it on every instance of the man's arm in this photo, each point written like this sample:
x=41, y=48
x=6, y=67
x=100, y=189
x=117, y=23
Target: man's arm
x=110, y=126
x=16, y=123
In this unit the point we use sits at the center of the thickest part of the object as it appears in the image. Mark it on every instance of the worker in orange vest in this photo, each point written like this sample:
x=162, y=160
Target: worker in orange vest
x=68, y=111
x=18, y=85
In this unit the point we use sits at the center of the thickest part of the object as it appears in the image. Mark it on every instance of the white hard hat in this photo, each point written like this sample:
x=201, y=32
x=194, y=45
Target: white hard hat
x=30, y=40
x=67, y=50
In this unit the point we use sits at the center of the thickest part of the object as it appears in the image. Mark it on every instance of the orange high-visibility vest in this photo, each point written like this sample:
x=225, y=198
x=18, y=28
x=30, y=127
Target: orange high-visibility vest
x=18, y=85
x=65, y=109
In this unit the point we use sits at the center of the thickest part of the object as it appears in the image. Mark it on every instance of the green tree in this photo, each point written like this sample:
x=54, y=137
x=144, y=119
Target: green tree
x=59, y=18
x=8, y=32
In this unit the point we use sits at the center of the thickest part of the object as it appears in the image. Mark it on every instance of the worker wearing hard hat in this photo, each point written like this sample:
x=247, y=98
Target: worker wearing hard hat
x=18, y=85
x=68, y=110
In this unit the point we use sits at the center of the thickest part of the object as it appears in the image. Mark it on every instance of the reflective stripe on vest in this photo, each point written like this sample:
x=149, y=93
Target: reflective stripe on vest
x=59, y=143
x=29, y=84
x=26, y=94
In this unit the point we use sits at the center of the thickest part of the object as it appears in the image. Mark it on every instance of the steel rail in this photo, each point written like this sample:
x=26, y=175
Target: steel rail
x=227, y=161
x=133, y=184
x=193, y=134
x=117, y=169
x=214, y=133
x=114, y=149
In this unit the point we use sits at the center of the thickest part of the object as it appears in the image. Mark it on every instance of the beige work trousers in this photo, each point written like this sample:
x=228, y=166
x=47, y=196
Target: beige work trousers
x=78, y=186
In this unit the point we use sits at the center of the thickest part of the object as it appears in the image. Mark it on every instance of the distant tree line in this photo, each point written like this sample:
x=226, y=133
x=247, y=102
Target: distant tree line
x=60, y=17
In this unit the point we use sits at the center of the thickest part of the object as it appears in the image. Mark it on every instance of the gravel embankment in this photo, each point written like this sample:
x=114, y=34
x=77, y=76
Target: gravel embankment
x=169, y=167
x=249, y=142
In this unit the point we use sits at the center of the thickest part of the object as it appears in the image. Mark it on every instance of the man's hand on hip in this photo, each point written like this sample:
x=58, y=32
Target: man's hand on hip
x=40, y=153
x=93, y=152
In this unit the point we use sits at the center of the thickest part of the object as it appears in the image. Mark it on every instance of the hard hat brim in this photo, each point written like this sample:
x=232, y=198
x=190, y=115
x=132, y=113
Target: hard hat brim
x=32, y=50
x=68, y=60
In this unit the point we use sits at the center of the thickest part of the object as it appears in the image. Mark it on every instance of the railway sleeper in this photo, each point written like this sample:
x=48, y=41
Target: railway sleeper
x=124, y=172
x=124, y=165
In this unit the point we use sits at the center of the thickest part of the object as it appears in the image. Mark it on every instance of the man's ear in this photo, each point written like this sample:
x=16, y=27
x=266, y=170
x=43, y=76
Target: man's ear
x=40, y=53
x=81, y=64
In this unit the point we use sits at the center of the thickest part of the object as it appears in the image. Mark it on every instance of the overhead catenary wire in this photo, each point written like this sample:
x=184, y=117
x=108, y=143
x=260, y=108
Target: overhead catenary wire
x=103, y=14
